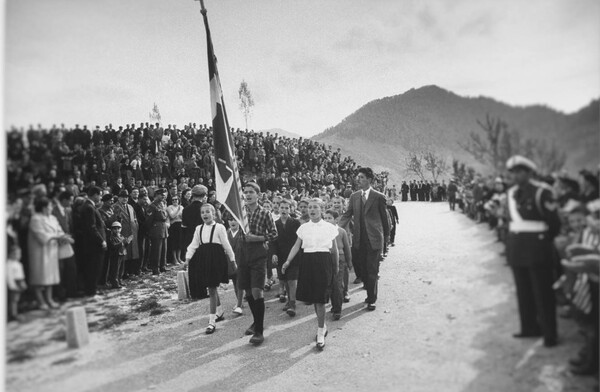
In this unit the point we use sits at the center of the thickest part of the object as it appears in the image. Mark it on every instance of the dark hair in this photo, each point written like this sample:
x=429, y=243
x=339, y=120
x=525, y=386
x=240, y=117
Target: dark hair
x=66, y=195
x=40, y=203
x=94, y=190
x=333, y=213
x=252, y=185
x=367, y=171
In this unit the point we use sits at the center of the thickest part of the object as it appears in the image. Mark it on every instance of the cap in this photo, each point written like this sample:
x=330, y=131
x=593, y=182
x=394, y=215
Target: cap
x=107, y=197
x=160, y=191
x=199, y=190
x=116, y=224
x=518, y=161
x=124, y=193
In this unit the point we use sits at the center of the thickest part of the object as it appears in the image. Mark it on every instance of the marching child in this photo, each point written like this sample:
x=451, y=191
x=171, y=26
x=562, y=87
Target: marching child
x=340, y=282
x=286, y=229
x=207, y=259
x=235, y=237
x=319, y=263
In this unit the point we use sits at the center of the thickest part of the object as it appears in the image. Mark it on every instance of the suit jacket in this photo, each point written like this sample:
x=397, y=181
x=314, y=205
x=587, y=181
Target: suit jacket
x=156, y=221
x=190, y=218
x=92, y=228
x=376, y=220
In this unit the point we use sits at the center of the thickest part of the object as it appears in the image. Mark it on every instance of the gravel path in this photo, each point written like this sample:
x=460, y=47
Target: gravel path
x=443, y=323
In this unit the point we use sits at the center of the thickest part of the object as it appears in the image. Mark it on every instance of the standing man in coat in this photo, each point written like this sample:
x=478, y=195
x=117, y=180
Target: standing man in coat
x=534, y=222
x=156, y=222
x=90, y=240
x=190, y=217
x=368, y=208
x=129, y=227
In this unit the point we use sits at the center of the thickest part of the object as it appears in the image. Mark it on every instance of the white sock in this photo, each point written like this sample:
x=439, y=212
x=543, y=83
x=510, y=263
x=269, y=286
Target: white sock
x=212, y=318
x=219, y=310
x=320, y=332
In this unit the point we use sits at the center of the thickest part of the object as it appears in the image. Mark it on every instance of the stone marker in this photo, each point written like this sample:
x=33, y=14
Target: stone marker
x=183, y=288
x=77, y=328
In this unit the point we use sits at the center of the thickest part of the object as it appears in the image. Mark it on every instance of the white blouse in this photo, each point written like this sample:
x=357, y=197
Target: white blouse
x=317, y=237
x=220, y=237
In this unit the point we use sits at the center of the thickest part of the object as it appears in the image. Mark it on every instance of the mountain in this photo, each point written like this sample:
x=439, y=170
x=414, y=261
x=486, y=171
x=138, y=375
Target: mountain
x=383, y=132
x=281, y=132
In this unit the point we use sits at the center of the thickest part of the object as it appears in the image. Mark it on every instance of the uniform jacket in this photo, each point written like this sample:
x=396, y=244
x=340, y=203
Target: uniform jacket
x=534, y=202
x=376, y=220
x=286, y=237
x=156, y=220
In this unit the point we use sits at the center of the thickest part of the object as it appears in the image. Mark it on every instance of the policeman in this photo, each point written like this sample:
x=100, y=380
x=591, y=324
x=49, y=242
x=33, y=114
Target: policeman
x=156, y=221
x=533, y=224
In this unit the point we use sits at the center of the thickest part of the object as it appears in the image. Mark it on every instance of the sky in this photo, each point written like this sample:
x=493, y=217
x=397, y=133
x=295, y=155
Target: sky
x=308, y=64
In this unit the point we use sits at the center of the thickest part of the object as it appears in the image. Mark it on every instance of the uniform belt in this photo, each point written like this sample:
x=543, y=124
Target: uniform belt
x=527, y=226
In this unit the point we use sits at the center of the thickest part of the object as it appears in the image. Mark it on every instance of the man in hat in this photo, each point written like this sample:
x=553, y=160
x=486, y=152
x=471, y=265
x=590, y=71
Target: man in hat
x=156, y=223
x=533, y=224
x=127, y=217
x=190, y=217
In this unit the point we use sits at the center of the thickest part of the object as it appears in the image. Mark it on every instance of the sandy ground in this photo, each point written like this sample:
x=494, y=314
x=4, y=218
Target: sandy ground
x=444, y=320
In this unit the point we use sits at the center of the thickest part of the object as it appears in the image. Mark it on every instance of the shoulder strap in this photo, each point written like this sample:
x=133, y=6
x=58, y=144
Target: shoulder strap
x=212, y=233
x=201, y=227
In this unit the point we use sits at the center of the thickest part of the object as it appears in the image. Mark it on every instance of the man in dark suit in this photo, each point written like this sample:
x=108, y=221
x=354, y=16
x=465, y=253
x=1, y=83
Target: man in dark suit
x=190, y=217
x=404, y=189
x=368, y=208
x=90, y=240
x=533, y=224
x=156, y=223
x=413, y=190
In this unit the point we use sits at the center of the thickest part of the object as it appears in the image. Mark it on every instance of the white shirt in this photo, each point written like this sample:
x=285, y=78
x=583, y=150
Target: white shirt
x=220, y=237
x=317, y=237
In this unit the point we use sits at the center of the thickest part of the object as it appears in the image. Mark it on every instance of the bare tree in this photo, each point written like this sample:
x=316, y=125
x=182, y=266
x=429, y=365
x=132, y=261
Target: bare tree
x=246, y=101
x=487, y=149
x=435, y=164
x=414, y=165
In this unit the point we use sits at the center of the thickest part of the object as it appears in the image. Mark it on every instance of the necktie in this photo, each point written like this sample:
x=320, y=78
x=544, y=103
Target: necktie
x=364, y=197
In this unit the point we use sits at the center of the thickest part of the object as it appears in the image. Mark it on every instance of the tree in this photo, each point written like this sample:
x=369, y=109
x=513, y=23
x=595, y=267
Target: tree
x=500, y=143
x=246, y=101
x=155, y=114
x=414, y=165
x=435, y=164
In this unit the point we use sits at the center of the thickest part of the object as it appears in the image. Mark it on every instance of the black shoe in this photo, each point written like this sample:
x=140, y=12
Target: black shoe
x=357, y=281
x=282, y=298
x=371, y=307
x=337, y=316
x=550, y=342
x=346, y=299
x=522, y=335
x=250, y=330
x=291, y=311
x=257, y=338
x=220, y=317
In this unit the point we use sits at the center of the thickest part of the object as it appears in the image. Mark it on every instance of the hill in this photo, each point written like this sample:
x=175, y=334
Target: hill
x=384, y=131
x=281, y=132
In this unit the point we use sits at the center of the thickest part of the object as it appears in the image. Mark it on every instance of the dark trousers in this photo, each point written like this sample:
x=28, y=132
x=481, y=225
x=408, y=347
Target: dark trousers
x=356, y=263
x=158, y=253
x=393, y=232
x=69, y=280
x=146, y=258
x=369, y=259
x=535, y=297
x=337, y=289
x=92, y=268
x=115, y=269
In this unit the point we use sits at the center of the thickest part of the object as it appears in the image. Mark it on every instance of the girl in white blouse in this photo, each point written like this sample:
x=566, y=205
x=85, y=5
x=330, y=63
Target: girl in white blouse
x=207, y=259
x=319, y=263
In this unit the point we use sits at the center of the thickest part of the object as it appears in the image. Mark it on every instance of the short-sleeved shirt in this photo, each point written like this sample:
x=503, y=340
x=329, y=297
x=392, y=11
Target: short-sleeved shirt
x=317, y=237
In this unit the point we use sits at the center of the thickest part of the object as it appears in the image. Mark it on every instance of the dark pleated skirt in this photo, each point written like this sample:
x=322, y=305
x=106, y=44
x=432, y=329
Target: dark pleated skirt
x=207, y=268
x=315, y=277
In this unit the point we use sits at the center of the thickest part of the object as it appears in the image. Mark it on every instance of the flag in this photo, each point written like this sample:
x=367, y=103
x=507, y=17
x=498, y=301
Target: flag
x=227, y=178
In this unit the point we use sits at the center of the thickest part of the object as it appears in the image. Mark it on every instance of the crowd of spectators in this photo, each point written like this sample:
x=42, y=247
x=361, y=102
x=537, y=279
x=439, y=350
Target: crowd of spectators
x=576, y=249
x=58, y=178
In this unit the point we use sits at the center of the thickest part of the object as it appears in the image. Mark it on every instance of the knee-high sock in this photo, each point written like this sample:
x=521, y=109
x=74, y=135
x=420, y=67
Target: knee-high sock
x=259, y=314
x=252, y=306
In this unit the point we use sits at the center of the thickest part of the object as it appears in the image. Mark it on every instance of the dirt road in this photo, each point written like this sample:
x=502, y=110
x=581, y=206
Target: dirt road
x=444, y=320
